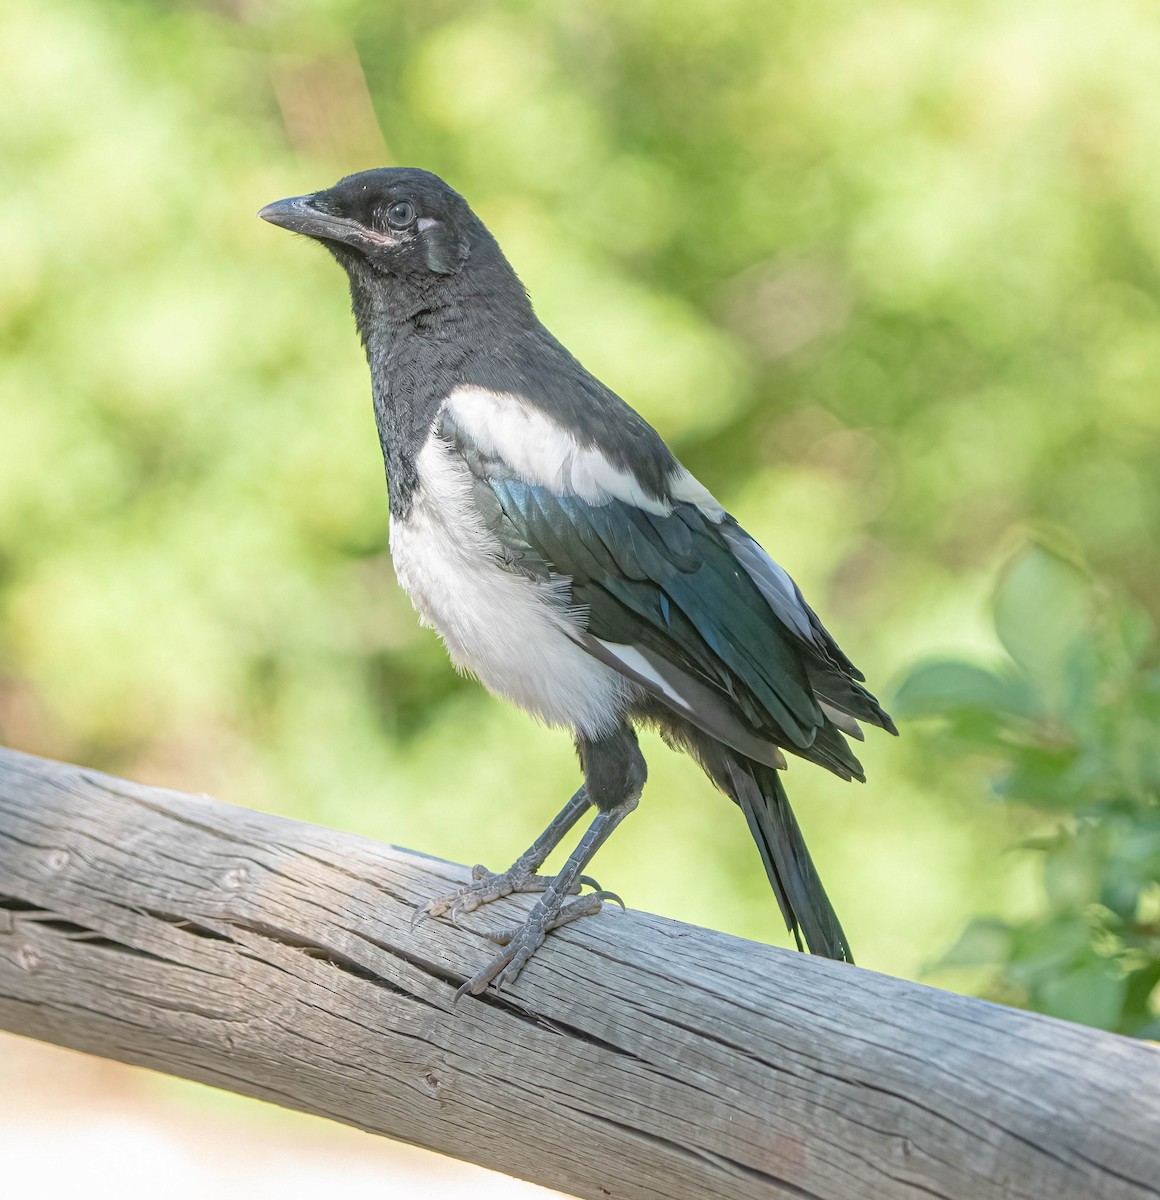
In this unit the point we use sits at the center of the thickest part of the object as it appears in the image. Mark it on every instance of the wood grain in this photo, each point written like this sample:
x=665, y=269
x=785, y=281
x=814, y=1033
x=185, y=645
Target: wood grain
x=635, y=1057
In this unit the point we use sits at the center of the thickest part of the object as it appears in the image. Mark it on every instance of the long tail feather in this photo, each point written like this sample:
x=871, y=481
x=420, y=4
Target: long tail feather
x=803, y=901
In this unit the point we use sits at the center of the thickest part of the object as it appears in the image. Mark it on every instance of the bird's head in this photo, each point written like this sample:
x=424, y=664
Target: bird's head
x=402, y=235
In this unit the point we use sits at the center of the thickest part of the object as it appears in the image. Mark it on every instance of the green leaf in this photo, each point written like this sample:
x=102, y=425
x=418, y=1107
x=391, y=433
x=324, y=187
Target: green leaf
x=943, y=687
x=1139, y=986
x=1043, y=951
x=1071, y=875
x=1092, y=994
x=1041, y=777
x=1137, y=631
x=985, y=942
x=1043, y=613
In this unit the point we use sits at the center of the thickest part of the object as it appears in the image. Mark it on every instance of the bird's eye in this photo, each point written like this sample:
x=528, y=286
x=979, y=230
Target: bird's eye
x=401, y=214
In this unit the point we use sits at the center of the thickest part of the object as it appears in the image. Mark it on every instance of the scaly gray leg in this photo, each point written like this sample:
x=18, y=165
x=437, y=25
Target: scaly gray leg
x=550, y=911
x=614, y=774
x=519, y=877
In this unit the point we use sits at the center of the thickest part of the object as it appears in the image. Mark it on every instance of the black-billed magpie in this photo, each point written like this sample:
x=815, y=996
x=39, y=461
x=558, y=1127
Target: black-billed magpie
x=569, y=561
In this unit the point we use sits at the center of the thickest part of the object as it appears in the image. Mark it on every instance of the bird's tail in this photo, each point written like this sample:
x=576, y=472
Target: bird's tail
x=808, y=913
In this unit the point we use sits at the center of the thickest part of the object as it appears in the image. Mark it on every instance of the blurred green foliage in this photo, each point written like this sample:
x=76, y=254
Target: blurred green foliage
x=885, y=276
x=1068, y=724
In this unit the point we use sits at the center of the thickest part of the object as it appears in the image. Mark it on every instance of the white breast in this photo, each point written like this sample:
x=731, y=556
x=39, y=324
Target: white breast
x=508, y=630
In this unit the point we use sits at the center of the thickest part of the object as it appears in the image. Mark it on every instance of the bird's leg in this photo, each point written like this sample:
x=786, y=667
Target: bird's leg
x=550, y=911
x=614, y=774
x=519, y=877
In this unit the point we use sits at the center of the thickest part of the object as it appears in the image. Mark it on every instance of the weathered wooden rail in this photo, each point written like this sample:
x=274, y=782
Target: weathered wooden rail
x=635, y=1057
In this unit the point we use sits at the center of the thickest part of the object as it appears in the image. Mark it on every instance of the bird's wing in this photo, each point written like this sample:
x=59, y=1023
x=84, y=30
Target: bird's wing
x=675, y=594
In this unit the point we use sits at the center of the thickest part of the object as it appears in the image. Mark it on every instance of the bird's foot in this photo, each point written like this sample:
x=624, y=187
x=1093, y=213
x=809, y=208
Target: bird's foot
x=519, y=944
x=487, y=886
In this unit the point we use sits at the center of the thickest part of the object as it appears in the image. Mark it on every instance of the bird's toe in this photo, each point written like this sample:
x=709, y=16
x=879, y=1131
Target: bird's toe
x=521, y=943
x=485, y=887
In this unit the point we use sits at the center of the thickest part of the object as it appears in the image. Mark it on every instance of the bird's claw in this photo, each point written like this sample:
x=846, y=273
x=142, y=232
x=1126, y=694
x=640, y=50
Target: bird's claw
x=487, y=886
x=519, y=944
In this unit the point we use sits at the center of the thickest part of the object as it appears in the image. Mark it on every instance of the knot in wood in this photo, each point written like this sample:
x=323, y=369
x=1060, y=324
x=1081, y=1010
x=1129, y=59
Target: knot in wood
x=28, y=958
x=56, y=860
x=235, y=878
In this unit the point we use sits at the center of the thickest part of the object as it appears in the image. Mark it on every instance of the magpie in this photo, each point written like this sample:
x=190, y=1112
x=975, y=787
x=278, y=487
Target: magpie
x=570, y=562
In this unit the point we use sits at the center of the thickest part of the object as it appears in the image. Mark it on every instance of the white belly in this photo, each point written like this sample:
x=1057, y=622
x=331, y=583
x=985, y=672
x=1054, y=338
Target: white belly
x=508, y=630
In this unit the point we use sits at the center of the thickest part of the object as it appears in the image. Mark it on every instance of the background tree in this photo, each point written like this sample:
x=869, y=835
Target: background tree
x=886, y=279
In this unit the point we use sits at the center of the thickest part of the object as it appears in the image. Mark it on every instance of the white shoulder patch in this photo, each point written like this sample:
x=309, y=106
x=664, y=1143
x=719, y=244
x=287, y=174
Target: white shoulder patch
x=686, y=487
x=543, y=452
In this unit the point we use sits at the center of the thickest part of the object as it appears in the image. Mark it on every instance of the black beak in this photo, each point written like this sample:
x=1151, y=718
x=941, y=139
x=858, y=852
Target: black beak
x=299, y=215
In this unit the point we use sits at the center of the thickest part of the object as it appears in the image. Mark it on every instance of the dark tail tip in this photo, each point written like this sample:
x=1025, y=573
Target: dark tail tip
x=803, y=901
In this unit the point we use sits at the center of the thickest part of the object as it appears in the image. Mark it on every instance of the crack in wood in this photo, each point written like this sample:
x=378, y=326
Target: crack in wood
x=187, y=925
x=73, y=931
x=685, y=1151
x=321, y=953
